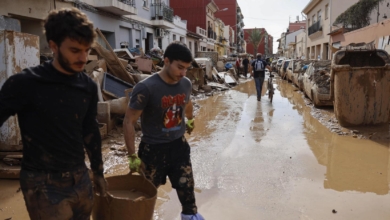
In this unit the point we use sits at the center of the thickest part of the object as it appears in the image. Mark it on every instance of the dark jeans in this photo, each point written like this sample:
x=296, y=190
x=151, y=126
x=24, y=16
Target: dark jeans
x=259, y=85
x=245, y=70
x=57, y=196
x=172, y=160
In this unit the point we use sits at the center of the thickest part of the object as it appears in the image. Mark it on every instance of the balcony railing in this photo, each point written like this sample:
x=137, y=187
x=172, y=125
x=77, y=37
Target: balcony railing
x=128, y=2
x=201, y=31
x=161, y=11
x=315, y=27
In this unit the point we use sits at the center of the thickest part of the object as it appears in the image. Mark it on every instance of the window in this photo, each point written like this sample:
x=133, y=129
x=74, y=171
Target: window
x=160, y=43
x=190, y=45
x=308, y=22
x=326, y=11
x=174, y=37
x=145, y=3
x=314, y=19
x=319, y=15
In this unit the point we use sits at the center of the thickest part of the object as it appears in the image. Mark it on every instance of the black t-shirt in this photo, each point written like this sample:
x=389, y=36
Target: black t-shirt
x=55, y=112
x=257, y=74
x=245, y=62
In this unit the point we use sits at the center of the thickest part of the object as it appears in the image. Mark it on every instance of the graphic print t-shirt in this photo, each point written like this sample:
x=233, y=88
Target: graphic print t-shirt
x=163, y=106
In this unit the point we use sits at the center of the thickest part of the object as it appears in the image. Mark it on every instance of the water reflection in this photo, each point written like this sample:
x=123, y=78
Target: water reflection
x=352, y=164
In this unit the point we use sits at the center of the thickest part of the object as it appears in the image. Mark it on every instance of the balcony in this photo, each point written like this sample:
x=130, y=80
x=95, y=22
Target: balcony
x=162, y=15
x=201, y=32
x=316, y=27
x=119, y=7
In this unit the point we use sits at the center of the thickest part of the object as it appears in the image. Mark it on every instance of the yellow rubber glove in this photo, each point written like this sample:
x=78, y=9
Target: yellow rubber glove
x=190, y=125
x=134, y=163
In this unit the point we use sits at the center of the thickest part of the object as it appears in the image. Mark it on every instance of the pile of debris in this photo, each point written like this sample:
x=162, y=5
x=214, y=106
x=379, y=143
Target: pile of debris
x=321, y=75
x=116, y=72
x=207, y=79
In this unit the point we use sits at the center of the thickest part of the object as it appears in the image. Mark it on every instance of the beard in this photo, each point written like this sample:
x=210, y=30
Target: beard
x=65, y=64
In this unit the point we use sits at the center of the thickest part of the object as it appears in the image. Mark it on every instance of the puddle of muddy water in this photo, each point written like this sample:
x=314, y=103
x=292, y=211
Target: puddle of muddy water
x=257, y=160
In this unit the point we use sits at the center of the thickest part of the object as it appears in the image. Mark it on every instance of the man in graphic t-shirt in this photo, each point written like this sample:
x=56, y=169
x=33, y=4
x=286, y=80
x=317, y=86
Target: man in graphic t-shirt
x=163, y=101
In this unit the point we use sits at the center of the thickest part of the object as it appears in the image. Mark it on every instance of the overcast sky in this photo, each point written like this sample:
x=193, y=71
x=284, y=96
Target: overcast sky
x=273, y=15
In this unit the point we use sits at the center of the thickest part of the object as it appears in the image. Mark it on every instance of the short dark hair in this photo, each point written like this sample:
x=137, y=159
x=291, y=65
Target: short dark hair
x=178, y=51
x=69, y=23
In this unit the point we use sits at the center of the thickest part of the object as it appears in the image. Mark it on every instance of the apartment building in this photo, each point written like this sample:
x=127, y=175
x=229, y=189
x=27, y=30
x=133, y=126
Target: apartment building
x=30, y=15
x=232, y=17
x=137, y=23
x=321, y=15
x=200, y=18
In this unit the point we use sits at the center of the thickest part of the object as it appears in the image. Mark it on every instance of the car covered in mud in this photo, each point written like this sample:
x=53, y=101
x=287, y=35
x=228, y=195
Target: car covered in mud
x=316, y=83
x=299, y=68
x=290, y=69
x=283, y=68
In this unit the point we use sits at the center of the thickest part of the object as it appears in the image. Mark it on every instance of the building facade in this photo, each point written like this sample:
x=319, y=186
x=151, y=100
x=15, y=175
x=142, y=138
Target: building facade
x=200, y=18
x=143, y=24
x=321, y=15
x=232, y=17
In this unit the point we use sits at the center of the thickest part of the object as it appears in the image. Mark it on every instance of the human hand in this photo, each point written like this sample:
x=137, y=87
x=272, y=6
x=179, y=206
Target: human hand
x=100, y=185
x=190, y=125
x=135, y=163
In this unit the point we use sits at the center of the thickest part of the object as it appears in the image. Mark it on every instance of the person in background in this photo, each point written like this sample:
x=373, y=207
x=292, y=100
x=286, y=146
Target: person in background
x=56, y=104
x=245, y=63
x=258, y=73
x=163, y=102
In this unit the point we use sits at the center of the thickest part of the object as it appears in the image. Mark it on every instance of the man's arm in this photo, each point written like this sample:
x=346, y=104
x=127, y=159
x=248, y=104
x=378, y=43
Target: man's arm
x=91, y=135
x=131, y=118
x=189, y=110
x=12, y=98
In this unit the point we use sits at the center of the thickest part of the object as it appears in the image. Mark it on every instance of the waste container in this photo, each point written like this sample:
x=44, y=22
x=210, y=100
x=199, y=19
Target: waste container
x=128, y=197
x=361, y=86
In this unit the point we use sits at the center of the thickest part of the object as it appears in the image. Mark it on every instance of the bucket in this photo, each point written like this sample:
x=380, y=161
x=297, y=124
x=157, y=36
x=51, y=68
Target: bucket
x=129, y=197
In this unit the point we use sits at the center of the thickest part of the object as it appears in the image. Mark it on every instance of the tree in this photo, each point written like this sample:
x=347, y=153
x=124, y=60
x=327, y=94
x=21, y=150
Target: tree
x=358, y=15
x=255, y=37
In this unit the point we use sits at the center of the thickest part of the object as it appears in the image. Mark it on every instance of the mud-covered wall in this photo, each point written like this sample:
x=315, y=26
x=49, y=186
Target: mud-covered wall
x=17, y=52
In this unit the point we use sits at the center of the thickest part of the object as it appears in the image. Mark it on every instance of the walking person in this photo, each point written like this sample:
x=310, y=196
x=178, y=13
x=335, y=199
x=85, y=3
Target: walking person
x=163, y=101
x=245, y=63
x=258, y=73
x=56, y=104
x=238, y=66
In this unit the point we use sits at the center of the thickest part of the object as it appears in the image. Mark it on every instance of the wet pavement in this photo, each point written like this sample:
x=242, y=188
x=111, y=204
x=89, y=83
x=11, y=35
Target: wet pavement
x=257, y=160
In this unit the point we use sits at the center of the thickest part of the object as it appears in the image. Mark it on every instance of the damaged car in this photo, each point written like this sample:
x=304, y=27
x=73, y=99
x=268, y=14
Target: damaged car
x=316, y=83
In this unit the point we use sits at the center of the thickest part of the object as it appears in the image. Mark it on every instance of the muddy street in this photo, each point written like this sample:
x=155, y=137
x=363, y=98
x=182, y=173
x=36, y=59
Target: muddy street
x=256, y=160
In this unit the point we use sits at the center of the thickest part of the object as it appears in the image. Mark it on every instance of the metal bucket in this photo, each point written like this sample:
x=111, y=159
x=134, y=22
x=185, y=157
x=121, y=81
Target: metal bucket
x=126, y=208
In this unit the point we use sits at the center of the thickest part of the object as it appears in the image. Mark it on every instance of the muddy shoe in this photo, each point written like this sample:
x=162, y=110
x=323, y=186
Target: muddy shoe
x=197, y=216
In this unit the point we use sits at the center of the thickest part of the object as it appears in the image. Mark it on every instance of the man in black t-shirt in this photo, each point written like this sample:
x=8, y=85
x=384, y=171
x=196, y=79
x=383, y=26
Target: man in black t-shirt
x=245, y=62
x=56, y=104
x=258, y=73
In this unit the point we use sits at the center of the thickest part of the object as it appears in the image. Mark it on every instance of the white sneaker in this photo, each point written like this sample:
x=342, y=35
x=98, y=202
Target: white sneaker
x=197, y=216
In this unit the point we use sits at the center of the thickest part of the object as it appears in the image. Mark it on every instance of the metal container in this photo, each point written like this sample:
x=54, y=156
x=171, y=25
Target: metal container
x=361, y=86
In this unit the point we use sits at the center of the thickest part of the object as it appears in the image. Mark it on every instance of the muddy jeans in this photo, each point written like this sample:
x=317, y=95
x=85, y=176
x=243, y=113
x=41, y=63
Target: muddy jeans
x=57, y=196
x=172, y=160
x=259, y=85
